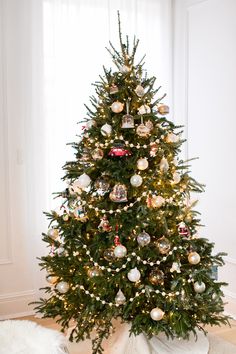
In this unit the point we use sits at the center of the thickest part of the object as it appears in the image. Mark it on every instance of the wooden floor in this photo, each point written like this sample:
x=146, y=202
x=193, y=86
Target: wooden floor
x=225, y=332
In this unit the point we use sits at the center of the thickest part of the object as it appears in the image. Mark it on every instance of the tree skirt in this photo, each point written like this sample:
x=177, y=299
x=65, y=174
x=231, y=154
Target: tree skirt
x=122, y=343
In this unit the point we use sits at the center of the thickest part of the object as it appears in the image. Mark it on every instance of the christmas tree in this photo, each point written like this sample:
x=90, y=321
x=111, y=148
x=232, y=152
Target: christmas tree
x=124, y=242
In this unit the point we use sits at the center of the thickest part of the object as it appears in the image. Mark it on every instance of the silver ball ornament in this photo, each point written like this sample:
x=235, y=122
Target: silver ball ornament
x=199, y=287
x=134, y=275
x=157, y=314
x=163, y=245
x=194, y=258
x=143, y=239
x=117, y=107
x=83, y=181
x=136, y=180
x=120, y=251
x=62, y=287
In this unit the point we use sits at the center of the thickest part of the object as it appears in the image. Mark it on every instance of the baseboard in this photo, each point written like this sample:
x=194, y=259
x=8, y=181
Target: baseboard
x=16, y=304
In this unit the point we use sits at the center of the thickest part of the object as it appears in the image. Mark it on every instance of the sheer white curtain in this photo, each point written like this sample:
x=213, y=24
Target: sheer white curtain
x=52, y=50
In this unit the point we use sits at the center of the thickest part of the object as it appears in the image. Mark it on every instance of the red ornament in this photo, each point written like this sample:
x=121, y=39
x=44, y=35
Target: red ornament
x=183, y=230
x=119, y=150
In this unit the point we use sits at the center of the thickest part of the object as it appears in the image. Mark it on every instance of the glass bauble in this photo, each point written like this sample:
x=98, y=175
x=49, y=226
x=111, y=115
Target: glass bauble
x=62, y=287
x=119, y=193
x=102, y=186
x=143, y=131
x=142, y=164
x=144, y=109
x=163, y=245
x=117, y=107
x=53, y=233
x=139, y=91
x=156, y=277
x=164, y=165
x=52, y=279
x=120, y=251
x=134, y=275
x=157, y=314
x=94, y=272
x=194, y=258
x=108, y=254
x=97, y=154
x=176, y=177
x=143, y=239
x=199, y=287
x=127, y=121
x=163, y=109
x=172, y=138
x=136, y=180
x=120, y=298
x=157, y=201
x=91, y=123
x=83, y=181
x=106, y=129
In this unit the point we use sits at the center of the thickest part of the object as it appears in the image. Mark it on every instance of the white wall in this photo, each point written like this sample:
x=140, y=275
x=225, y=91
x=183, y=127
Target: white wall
x=204, y=98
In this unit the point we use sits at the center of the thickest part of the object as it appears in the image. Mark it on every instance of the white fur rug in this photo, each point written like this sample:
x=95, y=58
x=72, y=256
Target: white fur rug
x=26, y=337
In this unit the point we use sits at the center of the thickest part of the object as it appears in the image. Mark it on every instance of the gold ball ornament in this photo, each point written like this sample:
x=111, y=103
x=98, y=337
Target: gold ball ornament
x=142, y=164
x=157, y=201
x=139, y=91
x=117, y=107
x=163, y=244
x=194, y=258
x=163, y=109
x=108, y=254
x=156, y=277
x=53, y=233
x=157, y=314
x=97, y=154
x=52, y=279
x=94, y=272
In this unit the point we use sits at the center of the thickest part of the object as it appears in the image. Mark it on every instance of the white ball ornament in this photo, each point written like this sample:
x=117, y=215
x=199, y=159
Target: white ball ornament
x=142, y=164
x=117, y=107
x=120, y=251
x=83, y=181
x=194, y=258
x=90, y=124
x=106, y=129
x=53, y=233
x=144, y=109
x=62, y=287
x=199, y=287
x=172, y=138
x=157, y=314
x=136, y=180
x=143, y=239
x=134, y=275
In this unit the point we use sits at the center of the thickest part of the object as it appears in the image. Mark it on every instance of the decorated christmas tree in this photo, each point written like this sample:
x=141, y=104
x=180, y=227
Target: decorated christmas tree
x=123, y=243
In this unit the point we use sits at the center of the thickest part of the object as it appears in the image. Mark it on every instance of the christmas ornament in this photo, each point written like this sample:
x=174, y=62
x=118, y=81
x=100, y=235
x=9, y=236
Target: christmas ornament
x=120, y=251
x=85, y=155
x=75, y=188
x=102, y=186
x=142, y=164
x=136, y=180
x=156, y=277
x=97, y=154
x=134, y=275
x=183, y=230
x=163, y=109
x=119, y=150
x=143, y=131
x=163, y=245
x=124, y=69
x=157, y=201
x=106, y=130
x=175, y=267
x=149, y=124
x=153, y=149
x=108, y=254
x=127, y=119
x=199, y=287
x=157, y=314
x=117, y=107
x=143, y=239
x=194, y=258
x=60, y=251
x=83, y=181
x=119, y=193
x=80, y=214
x=53, y=233
x=94, y=272
x=172, y=138
x=91, y=123
x=116, y=238
x=52, y=279
x=176, y=178
x=164, y=166
x=104, y=224
x=144, y=109
x=62, y=287
x=120, y=298
x=113, y=89
x=139, y=91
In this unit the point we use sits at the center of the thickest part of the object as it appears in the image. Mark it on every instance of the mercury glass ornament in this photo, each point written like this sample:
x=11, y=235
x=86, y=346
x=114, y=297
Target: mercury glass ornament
x=106, y=130
x=97, y=154
x=62, y=287
x=157, y=314
x=163, y=109
x=199, y=287
x=108, y=254
x=176, y=177
x=136, y=180
x=164, y=165
x=52, y=279
x=156, y=276
x=94, y=272
x=157, y=201
x=142, y=164
x=120, y=298
x=143, y=131
x=83, y=181
x=163, y=245
x=134, y=275
x=120, y=251
x=119, y=193
x=172, y=138
x=143, y=239
x=102, y=186
x=91, y=123
x=53, y=233
x=139, y=91
x=144, y=109
x=117, y=107
x=194, y=258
